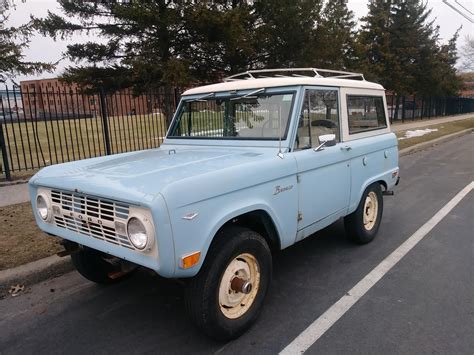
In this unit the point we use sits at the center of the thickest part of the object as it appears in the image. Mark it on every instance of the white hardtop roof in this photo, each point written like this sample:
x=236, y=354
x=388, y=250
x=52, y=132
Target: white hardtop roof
x=282, y=81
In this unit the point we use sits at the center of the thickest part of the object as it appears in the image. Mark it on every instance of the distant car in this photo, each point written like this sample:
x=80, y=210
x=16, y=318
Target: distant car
x=248, y=167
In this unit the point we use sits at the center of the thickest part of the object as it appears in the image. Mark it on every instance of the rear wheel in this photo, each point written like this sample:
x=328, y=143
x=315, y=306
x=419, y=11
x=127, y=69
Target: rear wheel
x=363, y=224
x=97, y=267
x=227, y=295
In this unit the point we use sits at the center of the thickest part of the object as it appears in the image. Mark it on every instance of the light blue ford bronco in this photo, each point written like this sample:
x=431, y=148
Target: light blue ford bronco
x=249, y=166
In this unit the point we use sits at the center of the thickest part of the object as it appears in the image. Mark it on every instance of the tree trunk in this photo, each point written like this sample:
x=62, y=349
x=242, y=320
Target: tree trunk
x=328, y=112
x=168, y=104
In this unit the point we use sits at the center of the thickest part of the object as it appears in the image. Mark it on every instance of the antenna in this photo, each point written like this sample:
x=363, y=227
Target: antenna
x=280, y=154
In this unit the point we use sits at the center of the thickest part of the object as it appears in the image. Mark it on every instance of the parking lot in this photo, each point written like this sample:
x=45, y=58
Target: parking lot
x=422, y=305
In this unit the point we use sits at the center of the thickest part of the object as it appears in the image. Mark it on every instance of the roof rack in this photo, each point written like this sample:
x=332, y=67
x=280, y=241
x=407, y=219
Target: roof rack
x=295, y=72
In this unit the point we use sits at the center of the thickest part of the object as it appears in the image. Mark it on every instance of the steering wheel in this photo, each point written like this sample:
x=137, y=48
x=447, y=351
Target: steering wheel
x=324, y=123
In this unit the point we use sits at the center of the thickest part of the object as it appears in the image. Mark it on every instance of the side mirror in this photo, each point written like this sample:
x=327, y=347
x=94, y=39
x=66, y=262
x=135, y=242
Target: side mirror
x=326, y=140
x=329, y=139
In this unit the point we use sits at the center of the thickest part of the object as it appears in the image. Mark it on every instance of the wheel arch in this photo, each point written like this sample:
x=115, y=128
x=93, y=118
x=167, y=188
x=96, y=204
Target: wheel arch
x=260, y=222
x=257, y=219
x=377, y=179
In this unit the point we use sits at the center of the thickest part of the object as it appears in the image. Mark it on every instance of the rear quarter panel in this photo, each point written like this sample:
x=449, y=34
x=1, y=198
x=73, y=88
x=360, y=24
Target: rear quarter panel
x=374, y=154
x=372, y=159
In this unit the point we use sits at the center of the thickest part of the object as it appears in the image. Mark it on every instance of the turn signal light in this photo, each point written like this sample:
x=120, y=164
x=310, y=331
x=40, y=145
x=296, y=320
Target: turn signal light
x=190, y=260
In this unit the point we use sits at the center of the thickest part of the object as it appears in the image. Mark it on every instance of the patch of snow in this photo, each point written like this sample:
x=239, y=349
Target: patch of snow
x=417, y=133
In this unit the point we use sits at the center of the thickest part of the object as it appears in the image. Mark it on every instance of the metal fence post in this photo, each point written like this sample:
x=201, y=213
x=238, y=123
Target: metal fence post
x=3, y=148
x=403, y=108
x=105, y=122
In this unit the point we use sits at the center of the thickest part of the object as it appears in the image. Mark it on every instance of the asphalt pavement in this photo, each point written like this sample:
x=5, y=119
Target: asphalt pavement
x=422, y=305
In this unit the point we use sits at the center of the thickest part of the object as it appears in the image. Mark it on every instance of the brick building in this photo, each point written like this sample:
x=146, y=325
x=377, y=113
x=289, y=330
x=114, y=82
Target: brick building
x=53, y=97
x=468, y=90
x=44, y=97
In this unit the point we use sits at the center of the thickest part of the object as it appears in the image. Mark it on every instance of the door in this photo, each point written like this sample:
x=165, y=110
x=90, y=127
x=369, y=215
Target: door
x=323, y=175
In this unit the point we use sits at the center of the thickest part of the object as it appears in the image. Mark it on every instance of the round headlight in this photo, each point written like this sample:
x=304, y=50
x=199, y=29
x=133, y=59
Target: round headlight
x=137, y=233
x=42, y=207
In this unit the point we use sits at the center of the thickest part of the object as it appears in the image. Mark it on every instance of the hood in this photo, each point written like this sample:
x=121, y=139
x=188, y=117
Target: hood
x=141, y=175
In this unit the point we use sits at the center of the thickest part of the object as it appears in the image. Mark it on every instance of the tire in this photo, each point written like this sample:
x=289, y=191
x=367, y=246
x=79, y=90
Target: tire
x=362, y=225
x=212, y=305
x=92, y=266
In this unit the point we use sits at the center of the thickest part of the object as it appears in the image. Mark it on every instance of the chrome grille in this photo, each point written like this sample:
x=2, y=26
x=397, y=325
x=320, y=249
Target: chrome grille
x=89, y=205
x=92, y=216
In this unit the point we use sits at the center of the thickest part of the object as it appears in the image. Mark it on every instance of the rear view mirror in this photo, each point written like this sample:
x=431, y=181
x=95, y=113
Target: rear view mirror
x=329, y=140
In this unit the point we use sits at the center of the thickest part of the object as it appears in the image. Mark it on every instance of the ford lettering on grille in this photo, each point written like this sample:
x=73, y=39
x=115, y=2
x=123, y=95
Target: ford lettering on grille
x=85, y=219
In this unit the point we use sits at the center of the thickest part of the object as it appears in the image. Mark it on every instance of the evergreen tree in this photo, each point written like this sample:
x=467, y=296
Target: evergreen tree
x=13, y=40
x=223, y=40
x=286, y=32
x=449, y=82
x=154, y=43
x=376, y=58
x=404, y=52
x=143, y=38
x=336, y=37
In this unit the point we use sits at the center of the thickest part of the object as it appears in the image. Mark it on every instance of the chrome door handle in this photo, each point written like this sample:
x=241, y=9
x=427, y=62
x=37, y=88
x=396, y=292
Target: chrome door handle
x=346, y=147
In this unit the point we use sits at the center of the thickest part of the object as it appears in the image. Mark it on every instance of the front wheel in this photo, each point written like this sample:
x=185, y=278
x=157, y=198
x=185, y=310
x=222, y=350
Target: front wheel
x=226, y=296
x=362, y=225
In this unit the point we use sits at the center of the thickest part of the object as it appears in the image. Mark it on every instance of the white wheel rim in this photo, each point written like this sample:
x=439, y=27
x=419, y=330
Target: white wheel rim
x=371, y=209
x=234, y=304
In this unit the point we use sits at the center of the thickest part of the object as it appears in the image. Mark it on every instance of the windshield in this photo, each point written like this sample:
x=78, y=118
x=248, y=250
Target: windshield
x=251, y=116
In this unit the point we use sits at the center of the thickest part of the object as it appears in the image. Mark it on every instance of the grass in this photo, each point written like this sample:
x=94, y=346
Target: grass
x=443, y=129
x=21, y=241
x=32, y=144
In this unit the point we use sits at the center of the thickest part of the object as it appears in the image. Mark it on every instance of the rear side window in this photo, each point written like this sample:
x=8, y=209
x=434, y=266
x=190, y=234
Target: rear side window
x=365, y=113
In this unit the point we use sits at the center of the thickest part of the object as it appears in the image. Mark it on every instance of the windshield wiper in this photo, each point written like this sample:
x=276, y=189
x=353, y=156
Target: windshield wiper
x=200, y=98
x=247, y=95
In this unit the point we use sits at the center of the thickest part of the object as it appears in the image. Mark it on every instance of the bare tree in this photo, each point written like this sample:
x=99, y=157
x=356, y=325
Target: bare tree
x=467, y=54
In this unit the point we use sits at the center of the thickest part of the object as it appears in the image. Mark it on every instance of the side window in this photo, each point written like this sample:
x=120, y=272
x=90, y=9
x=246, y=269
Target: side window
x=319, y=116
x=365, y=113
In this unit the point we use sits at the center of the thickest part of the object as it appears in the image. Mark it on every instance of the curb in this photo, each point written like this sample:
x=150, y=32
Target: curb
x=34, y=272
x=14, y=182
x=425, y=145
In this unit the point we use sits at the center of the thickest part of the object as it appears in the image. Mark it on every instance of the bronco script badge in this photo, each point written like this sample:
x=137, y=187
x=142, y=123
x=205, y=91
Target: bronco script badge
x=279, y=189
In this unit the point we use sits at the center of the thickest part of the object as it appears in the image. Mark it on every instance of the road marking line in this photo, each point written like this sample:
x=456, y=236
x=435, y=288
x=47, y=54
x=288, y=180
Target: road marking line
x=315, y=330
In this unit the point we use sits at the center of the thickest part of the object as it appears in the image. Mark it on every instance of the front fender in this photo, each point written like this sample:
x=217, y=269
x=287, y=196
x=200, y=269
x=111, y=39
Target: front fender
x=197, y=234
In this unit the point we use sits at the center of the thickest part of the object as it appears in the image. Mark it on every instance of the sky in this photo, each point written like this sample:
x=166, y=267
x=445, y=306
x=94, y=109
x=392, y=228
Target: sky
x=47, y=50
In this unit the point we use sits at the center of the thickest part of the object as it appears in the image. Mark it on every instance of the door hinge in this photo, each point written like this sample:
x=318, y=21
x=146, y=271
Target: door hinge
x=300, y=216
x=298, y=178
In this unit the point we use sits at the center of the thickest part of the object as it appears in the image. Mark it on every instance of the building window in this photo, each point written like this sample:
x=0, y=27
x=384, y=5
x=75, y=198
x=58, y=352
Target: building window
x=365, y=113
